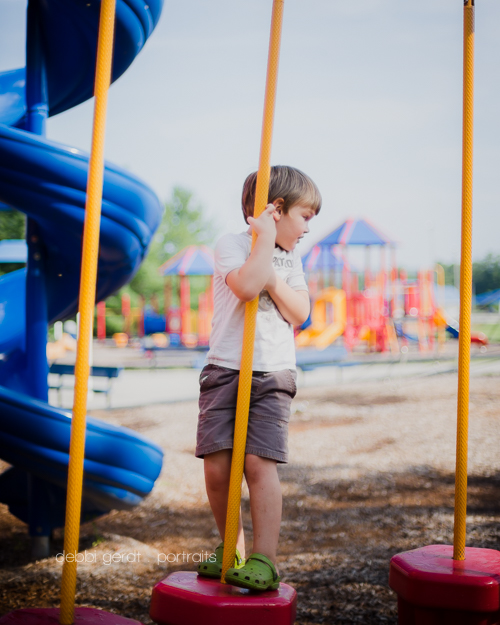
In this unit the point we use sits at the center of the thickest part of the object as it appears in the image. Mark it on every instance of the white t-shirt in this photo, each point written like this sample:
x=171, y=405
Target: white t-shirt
x=274, y=342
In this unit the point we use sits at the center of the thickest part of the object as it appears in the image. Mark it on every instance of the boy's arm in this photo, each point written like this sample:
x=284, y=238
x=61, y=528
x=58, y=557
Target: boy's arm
x=249, y=280
x=295, y=306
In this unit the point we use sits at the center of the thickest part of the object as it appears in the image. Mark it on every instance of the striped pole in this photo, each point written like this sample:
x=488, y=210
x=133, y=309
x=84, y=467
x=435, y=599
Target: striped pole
x=86, y=309
x=245, y=380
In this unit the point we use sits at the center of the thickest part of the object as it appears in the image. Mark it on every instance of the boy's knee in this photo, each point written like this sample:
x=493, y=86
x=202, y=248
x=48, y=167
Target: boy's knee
x=257, y=468
x=218, y=469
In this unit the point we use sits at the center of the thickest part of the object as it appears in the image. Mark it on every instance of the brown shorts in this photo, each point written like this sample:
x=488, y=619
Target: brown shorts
x=272, y=394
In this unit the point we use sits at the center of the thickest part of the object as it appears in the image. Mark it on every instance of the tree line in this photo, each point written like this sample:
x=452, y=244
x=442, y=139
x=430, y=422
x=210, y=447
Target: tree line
x=485, y=274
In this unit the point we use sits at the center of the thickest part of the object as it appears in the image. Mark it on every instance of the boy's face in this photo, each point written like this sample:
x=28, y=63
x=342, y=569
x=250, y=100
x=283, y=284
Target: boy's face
x=290, y=228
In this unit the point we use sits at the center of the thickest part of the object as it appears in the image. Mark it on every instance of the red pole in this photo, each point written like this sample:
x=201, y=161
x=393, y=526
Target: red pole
x=125, y=305
x=126, y=313
x=185, y=306
x=203, y=329
x=101, y=321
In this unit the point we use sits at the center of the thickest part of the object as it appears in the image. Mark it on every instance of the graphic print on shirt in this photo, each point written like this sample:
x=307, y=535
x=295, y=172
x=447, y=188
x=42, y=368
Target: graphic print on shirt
x=282, y=266
x=266, y=302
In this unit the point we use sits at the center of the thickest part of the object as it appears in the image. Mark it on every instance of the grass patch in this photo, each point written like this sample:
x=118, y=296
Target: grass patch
x=492, y=331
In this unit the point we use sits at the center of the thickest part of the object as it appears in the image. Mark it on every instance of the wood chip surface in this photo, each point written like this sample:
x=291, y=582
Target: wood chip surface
x=371, y=475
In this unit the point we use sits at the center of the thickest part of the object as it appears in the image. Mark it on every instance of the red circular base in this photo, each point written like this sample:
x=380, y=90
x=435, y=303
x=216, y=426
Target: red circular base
x=434, y=588
x=50, y=616
x=185, y=598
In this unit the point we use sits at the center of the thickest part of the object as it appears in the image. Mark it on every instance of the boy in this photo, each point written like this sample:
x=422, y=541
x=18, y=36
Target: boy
x=273, y=271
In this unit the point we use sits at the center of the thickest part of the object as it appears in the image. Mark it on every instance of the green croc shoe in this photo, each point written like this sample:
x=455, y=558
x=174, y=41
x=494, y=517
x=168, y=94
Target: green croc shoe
x=258, y=573
x=212, y=567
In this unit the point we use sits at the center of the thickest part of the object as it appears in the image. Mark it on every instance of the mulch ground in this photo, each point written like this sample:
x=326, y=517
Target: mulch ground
x=337, y=538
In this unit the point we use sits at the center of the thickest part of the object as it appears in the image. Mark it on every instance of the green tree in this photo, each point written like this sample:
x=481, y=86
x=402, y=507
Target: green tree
x=486, y=274
x=12, y=226
x=183, y=224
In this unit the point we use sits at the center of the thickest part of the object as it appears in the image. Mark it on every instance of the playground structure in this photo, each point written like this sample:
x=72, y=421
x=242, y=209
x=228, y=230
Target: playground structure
x=418, y=576
x=388, y=312
x=47, y=181
x=183, y=325
x=187, y=326
x=375, y=311
x=328, y=319
x=372, y=311
x=132, y=321
x=342, y=308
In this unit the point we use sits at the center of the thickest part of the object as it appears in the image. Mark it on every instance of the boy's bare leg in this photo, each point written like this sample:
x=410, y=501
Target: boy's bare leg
x=217, y=473
x=265, y=503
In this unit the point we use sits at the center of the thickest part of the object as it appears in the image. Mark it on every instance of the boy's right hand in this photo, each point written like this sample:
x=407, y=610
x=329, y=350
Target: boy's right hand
x=249, y=280
x=265, y=224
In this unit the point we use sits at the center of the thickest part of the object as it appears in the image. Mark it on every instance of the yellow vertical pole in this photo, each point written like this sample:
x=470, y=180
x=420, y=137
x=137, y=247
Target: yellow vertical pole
x=465, y=289
x=245, y=381
x=86, y=309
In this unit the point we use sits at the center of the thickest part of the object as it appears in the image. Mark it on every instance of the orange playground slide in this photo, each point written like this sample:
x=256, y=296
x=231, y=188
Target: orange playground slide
x=328, y=319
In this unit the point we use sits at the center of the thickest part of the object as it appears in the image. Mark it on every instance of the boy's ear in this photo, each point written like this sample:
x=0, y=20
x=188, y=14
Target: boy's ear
x=278, y=204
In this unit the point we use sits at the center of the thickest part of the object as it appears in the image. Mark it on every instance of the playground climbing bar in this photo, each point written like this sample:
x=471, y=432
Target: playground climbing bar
x=465, y=289
x=86, y=309
x=245, y=381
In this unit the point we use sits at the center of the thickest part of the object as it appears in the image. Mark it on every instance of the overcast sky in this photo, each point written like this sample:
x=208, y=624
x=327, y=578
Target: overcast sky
x=369, y=105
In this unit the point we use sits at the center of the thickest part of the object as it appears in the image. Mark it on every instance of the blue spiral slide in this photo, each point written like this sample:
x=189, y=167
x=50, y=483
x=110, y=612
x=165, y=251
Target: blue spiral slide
x=47, y=181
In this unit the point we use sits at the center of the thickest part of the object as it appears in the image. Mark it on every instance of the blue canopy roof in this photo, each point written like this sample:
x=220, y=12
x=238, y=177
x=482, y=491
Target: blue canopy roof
x=13, y=251
x=321, y=258
x=194, y=260
x=356, y=232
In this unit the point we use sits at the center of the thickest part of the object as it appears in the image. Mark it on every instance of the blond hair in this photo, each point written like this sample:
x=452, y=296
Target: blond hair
x=289, y=184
